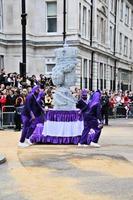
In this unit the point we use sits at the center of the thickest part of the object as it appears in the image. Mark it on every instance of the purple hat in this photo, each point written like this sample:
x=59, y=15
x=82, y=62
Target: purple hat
x=95, y=99
x=84, y=92
x=36, y=87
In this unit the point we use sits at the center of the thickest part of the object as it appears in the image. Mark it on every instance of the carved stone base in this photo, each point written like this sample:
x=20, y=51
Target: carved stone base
x=63, y=99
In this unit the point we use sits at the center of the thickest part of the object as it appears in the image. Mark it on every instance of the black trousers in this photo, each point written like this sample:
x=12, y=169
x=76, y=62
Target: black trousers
x=105, y=115
x=17, y=121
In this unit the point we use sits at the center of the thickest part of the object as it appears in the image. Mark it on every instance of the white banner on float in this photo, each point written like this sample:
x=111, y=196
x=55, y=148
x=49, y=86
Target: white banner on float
x=62, y=129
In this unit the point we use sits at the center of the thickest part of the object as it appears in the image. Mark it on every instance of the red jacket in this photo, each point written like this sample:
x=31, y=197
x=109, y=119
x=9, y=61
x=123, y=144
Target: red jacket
x=3, y=102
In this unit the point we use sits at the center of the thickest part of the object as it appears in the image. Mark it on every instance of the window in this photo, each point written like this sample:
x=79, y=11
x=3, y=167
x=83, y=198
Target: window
x=101, y=71
x=1, y=61
x=111, y=73
x=111, y=37
x=98, y=28
x=85, y=68
x=85, y=73
x=103, y=30
x=90, y=75
x=132, y=19
x=111, y=77
x=125, y=46
x=84, y=21
x=89, y=22
x=121, y=10
x=1, y=15
x=49, y=68
x=105, y=75
x=101, y=76
x=120, y=43
x=51, y=17
x=127, y=15
x=131, y=46
x=112, y=5
x=80, y=17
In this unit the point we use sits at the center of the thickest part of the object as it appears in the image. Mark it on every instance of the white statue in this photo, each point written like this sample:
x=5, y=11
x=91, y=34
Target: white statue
x=63, y=76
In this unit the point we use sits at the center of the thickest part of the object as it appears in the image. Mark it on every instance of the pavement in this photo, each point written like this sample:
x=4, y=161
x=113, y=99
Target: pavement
x=69, y=172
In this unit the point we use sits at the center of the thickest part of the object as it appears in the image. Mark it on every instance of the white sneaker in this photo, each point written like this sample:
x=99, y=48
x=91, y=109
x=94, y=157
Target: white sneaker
x=82, y=145
x=27, y=141
x=23, y=144
x=93, y=144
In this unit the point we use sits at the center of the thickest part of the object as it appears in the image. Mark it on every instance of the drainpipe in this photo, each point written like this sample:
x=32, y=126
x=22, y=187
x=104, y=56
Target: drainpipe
x=64, y=21
x=115, y=32
x=91, y=23
x=92, y=54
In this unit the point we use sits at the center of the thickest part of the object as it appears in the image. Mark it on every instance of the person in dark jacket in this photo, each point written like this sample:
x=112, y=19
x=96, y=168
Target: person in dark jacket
x=10, y=102
x=105, y=107
x=18, y=109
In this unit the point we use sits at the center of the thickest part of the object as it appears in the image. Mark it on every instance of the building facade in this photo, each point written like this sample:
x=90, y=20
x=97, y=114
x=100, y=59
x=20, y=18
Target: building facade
x=102, y=30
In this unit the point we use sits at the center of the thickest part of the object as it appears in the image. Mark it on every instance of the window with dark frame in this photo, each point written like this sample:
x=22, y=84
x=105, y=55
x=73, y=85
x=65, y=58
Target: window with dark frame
x=1, y=61
x=52, y=17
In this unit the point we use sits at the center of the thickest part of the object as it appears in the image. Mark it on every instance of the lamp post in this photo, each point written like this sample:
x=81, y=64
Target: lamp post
x=64, y=21
x=23, y=22
x=91, y=42
x=115, y=33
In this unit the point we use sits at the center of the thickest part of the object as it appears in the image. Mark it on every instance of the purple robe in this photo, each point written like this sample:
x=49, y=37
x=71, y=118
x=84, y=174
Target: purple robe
x=92, y=116
x=30, y=108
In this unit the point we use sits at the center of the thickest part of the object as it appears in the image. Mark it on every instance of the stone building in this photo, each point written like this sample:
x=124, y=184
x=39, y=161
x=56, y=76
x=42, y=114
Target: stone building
x=102, y=30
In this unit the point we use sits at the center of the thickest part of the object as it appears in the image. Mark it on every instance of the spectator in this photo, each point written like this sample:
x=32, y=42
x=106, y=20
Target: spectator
x=126, y=105
x=10, y=102
x=105, y=107
x=48, y=98
x=18, y=109
x=111, y=105
x=2, y=104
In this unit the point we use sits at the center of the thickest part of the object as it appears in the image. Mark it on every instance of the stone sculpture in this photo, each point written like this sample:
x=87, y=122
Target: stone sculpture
x=63, y=76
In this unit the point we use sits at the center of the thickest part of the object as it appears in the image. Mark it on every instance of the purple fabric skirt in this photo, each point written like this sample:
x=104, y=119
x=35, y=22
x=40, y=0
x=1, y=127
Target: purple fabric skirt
x=37, y=137
x=59, y=116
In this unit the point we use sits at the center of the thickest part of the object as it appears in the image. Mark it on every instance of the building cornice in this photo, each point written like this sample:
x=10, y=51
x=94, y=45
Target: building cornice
x=36, y=43
x=56, y=44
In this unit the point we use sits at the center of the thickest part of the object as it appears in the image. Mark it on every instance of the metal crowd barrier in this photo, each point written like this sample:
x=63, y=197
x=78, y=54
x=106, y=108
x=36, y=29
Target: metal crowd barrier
x=131, y=111
x=120, y=112
x=7, y=116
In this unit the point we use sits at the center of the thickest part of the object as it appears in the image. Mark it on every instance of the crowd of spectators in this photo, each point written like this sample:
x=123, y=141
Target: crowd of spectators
x=13, y=90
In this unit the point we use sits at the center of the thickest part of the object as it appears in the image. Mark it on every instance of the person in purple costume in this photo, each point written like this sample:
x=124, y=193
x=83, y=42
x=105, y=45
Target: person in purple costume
x=92, y=119
x=41, y=104
x=30, y=116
